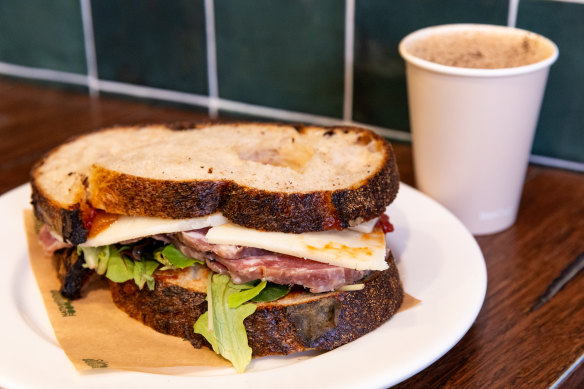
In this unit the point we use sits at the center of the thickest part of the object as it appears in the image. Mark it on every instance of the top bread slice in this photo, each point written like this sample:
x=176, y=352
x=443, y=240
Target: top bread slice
x=274, y=177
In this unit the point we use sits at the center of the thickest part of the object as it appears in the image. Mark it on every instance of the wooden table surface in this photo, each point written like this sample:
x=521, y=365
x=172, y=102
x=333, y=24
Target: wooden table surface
x=515, y=342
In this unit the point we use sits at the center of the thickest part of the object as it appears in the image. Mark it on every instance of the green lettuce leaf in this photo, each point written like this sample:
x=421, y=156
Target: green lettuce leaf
x=89, y=255
x=247, y=285
x=108, y=260
x=96, y=258
x=172, y=258
x=103, y=260
x=119, y=268
x=143, y=271
x=223, y=326
x=202, y=327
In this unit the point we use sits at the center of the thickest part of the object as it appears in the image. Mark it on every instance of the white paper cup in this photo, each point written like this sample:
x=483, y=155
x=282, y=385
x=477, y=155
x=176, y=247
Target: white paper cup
x=472, y=129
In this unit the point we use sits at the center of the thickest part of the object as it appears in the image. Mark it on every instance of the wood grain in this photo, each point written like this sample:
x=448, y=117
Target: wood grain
x=508, y=346
x=33, y=120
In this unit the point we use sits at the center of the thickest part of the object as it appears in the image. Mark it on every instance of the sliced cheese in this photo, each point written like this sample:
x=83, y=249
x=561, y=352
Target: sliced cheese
x=133, y=227
x=346, y=248
x=360, y=248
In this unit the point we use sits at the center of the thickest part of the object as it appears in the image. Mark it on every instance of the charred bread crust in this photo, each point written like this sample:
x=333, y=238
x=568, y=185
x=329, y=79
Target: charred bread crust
x=67, y=222
x=137, y=196
x=284, y=212
x=370, y=199
x=319, y=322
x=168, y=309
x=71, y=272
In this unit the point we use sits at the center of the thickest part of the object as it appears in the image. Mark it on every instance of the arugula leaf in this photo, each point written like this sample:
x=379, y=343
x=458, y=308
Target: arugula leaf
x=271, y=292
x=173, y=258
x=236, y=299
x=223, y=326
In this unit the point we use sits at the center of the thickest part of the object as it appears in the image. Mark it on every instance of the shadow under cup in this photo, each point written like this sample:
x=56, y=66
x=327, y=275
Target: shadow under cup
x=474, y=94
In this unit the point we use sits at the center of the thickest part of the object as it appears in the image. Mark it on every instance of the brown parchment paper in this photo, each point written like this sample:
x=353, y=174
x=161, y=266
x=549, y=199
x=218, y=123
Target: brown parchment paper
x=95, y=334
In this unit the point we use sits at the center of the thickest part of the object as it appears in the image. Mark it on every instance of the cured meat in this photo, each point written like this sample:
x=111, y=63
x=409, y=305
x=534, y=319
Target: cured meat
x=196, y=239
x=288, y=270
x=49, y=243
x=245, y=264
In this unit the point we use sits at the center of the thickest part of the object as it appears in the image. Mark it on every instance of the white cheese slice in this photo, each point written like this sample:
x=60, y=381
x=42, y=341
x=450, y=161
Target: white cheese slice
x=346, y=248
x=133, y=227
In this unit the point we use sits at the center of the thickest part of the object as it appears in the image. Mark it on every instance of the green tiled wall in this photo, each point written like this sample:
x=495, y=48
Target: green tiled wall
x=45, y=34
x=288, y=55
x=560, y=132
x=155, y=43
x=282, y=54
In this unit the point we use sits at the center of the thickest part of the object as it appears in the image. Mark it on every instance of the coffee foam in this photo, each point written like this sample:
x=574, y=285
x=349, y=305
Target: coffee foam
x=481, y=49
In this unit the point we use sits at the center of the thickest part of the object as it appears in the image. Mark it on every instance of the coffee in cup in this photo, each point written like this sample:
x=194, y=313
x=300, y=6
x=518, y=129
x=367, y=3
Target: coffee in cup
x=482, y=49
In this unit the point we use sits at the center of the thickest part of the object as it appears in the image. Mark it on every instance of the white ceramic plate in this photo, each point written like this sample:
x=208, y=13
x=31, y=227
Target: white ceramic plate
x=439, y=262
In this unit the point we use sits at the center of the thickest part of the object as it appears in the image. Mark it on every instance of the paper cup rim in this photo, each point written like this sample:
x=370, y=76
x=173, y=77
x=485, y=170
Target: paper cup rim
x=475, y=72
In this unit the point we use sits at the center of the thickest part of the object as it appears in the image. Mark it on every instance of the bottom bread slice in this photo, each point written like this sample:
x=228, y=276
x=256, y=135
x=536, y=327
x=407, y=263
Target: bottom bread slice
x=298, y=322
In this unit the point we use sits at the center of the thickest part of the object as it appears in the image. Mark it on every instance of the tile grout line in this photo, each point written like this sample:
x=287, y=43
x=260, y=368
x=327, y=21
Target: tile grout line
x=349, y=59
x=512, y=15
x=556, y=162
x=154, y=93
x=204, y=101
x=292, y=116
x=571, y=1
x=90, y=55
x=212, y=77
x=43, y=74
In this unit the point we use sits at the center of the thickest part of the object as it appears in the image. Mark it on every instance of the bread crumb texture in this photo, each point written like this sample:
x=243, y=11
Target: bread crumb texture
x=264, y=156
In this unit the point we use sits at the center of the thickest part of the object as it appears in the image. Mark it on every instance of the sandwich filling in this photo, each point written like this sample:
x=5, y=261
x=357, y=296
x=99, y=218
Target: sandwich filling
x=318, y=261
x=246, y=265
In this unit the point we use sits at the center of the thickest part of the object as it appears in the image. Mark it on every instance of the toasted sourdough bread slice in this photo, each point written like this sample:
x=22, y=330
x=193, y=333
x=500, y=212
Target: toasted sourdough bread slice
x=272, y=177
x=298, y=322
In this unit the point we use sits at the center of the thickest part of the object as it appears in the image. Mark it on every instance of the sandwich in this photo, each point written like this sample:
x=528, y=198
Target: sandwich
x=253, y=239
